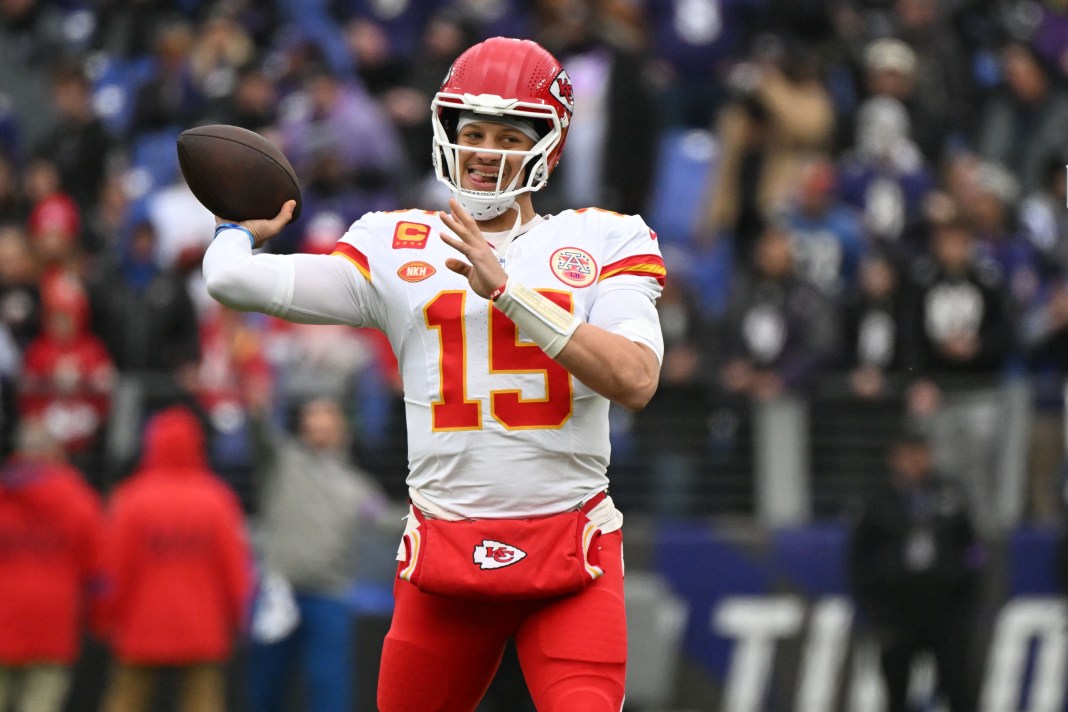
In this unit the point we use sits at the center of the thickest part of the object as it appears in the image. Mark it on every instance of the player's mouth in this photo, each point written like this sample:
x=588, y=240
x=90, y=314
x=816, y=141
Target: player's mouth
x=482, y=178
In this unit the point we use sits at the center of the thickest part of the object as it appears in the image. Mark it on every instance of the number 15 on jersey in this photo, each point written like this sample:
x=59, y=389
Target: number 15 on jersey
x=445, y=312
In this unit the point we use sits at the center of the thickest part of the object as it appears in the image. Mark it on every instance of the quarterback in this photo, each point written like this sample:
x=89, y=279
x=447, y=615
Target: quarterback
x=514, y=332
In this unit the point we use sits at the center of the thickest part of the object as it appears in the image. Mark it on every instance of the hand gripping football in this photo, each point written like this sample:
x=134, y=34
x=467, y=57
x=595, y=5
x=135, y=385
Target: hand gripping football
x=235, y=173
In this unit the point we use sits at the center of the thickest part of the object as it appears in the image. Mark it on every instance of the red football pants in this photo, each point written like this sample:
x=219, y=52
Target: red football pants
x=441, y=653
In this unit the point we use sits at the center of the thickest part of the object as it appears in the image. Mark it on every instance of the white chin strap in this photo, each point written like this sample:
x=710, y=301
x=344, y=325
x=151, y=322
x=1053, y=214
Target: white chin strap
x=482, y=206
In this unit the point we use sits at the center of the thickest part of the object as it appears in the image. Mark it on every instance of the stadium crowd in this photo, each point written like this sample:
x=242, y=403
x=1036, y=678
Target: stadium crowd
x=862, y=192
x=866, y=188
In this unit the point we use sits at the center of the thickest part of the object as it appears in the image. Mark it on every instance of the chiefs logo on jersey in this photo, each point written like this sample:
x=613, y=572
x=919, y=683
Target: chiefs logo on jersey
x=410, y=235
x=495, y=555
x=564, y=92
x=573, y=267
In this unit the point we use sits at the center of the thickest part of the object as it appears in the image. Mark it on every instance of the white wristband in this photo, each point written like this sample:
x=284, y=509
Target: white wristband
x=540, y=319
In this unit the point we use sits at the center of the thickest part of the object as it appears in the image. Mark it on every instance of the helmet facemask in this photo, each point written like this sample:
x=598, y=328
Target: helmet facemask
x=535, y=169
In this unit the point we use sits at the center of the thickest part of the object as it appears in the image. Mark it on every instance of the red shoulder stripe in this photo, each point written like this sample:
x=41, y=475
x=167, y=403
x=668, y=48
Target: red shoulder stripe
x=639, y=265
x=357, y=258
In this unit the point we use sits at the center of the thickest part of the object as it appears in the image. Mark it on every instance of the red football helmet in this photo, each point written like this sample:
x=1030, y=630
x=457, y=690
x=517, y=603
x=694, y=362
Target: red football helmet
x=503, y=77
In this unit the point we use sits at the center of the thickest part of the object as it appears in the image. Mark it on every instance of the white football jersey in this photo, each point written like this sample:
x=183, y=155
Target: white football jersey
x=496, y=428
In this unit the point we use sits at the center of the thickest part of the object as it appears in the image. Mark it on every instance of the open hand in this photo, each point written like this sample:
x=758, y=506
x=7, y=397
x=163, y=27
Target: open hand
x=264, y=230
x=482, y=269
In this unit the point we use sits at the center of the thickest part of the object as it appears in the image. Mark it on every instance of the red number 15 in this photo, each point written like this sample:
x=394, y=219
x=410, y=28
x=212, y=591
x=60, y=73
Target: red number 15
x=445, y=312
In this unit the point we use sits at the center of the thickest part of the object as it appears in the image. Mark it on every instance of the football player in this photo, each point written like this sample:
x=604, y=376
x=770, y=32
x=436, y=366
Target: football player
x=514, y=331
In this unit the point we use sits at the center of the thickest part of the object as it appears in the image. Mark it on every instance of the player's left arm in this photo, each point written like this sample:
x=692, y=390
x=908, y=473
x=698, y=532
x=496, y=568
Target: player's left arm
x=615, y=365
x=616, y=353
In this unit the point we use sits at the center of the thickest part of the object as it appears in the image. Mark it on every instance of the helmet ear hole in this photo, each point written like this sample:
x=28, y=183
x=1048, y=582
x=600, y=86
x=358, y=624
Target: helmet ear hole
x=449, y=118
x=538, y=168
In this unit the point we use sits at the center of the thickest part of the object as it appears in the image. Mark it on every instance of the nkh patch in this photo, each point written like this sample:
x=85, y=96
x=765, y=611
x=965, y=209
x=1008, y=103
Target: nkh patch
x=415, y=271
x=573, y=266
x=410, y=236
x=496, y=555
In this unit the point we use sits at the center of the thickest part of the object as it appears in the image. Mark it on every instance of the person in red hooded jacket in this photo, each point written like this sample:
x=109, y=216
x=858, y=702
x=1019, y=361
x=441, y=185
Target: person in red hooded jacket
x=51, y=523
x=178, y=568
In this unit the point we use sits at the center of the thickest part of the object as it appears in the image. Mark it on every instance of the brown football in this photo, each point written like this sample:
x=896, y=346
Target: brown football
x=235, y=173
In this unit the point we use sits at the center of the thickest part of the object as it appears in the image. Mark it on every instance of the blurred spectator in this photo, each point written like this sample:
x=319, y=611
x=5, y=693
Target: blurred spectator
x=886, y=177
x=956, y=355
x=221, y=47
x=696, y=45
x=10, y=370
x=128, y=30
x=957, y=188
x=20, y=322
x=51, y=525
x=182, y=228
x=779, y=329
x=344, y=149
x=1044, y=220
x=993, y=211
x=315, y=510
x=875, y=322
x=329, y=194
x=232, y=361
x=926, y=70
x=612, y=74
x=9, y=139
x=12, y=205
x=1026, y=121
x=914, y=564
x=390, y=33
x=1045, y=336
x=445, y=36
x=31, y=38
x=672, y=427
x=68, y=376
x=171, y=98
x=959, y=304
x=313, y=25
x=178, y=567
x=253, y=104
x=499, y=18
x=889, y=67
x=827, y=241
x=1050, y=34
x=289, y=56
x=79, y=145
x=334, y=115
x=20, y=297
x=180, y=223
x=378, y=66
x=781, y=114
x=942, y=88
x=55, y=223
x=321, y=358
x=108, y=219
x=144, y=313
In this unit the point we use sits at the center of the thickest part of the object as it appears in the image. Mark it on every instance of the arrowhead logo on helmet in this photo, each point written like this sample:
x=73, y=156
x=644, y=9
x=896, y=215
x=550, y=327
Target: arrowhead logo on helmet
x=563, y=90
x=495, y=555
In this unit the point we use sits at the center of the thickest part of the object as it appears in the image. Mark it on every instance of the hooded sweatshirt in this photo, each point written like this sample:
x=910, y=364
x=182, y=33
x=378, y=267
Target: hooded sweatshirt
x=178, y=560
x=51, y=523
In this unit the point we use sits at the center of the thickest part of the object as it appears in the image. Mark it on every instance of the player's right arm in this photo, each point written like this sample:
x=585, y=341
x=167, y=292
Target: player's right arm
x=309, y=289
